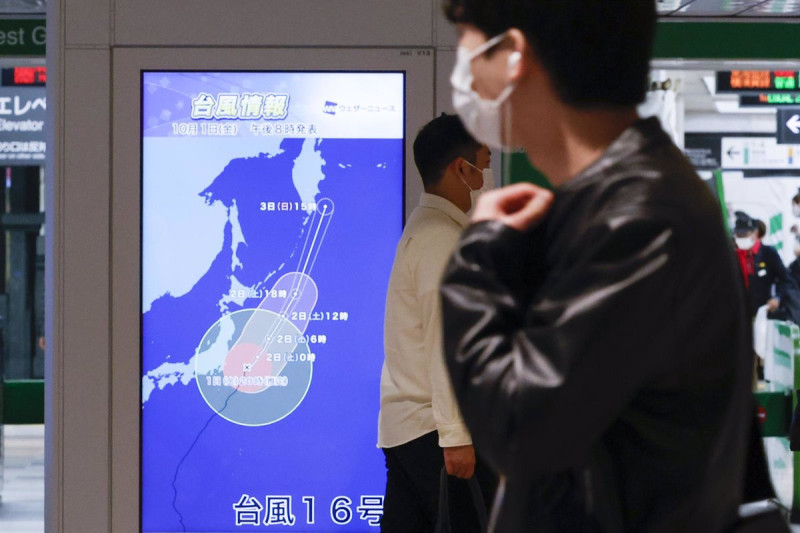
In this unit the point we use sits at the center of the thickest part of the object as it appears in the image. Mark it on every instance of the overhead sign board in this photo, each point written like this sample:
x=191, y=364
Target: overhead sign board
x=22, y=116
x=789, y=126
x=763, y=153
x=704, y=150
x=22, y=37
x=757, y=81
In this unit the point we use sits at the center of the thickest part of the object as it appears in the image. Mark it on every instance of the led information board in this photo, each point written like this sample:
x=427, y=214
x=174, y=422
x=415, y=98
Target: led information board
x=769, y=99
x=737, y=81
x=272, y=203
x=24, y=76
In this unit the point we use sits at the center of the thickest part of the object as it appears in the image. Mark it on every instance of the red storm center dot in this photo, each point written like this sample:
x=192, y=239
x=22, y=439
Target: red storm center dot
x=243, y=356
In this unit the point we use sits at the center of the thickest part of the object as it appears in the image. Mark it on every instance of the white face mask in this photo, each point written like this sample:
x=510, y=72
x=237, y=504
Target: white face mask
x=745, y=243
x=488, y=180
x=482, y=118
x=488, y=184
x=796, y=210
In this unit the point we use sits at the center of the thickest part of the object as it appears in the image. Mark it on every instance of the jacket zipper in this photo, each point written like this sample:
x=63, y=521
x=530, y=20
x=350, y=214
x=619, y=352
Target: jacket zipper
x=588, y=492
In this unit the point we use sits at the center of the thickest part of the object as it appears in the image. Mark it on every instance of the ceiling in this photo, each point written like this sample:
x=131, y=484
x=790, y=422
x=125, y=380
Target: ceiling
x=22, y=6
x=729, y=8
x=698, y=91
x=666, y=8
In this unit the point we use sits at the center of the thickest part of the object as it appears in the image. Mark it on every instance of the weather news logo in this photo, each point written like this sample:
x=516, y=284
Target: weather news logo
x=330, y=108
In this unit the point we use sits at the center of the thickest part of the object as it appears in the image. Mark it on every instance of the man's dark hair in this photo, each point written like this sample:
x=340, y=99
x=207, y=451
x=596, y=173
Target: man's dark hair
x=438, y=143
x=597, y=52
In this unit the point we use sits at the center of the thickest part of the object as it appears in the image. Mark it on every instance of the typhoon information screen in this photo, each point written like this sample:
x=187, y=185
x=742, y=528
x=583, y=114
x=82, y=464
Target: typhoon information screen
x=271, y=206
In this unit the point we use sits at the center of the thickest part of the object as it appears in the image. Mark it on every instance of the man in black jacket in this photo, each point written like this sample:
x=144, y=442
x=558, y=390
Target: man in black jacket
x=597, y=337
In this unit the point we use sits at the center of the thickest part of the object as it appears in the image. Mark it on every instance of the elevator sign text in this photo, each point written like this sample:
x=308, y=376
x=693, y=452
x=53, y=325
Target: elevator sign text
x=22, y=116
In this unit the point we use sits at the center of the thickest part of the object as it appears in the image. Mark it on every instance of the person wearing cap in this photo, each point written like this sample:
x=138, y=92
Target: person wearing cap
x=764, y=274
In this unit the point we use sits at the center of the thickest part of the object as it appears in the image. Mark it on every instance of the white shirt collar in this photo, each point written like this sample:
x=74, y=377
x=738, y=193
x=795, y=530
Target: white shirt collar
x=449, y=208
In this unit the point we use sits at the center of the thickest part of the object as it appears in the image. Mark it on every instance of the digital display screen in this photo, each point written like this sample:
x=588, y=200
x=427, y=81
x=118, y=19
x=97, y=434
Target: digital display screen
x=272, y=203
x=24, y=76
x=737, y=81
x=769, y=99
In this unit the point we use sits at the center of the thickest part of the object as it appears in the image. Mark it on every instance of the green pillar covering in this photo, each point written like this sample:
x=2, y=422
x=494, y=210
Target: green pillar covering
x=22, y=402
x=519, y=169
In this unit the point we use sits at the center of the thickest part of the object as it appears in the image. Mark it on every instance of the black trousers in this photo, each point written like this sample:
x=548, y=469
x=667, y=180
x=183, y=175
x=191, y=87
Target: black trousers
x=412, y=489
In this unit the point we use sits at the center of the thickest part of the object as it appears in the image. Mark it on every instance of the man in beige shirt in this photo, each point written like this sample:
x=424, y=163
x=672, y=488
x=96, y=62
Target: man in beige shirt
x=420, y=427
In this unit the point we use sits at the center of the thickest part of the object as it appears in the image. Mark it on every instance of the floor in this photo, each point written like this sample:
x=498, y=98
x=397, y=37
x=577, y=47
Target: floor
x=22, y=480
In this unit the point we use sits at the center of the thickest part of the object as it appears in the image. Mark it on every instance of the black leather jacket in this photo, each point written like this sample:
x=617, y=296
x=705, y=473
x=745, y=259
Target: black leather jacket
x=603, y=360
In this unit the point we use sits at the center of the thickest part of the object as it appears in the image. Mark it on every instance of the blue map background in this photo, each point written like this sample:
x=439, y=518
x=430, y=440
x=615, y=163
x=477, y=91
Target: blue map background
x=196, y=465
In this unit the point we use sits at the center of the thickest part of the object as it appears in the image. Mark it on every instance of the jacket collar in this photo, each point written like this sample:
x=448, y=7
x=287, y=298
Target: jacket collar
x=433, y=201
x=633, y=140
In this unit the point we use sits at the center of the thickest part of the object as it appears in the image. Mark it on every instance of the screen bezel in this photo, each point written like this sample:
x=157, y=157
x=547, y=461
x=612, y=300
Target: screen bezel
x=142, y=206
x=129, y=64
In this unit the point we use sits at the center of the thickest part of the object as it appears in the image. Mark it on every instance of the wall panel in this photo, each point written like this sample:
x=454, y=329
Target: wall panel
x=274, y=22
x=84, y=253
x=445, y=60
x=88, y=22
x=446, y=36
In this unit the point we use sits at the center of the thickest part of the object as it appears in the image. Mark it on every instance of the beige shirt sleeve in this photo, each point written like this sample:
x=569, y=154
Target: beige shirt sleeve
x=449, y=423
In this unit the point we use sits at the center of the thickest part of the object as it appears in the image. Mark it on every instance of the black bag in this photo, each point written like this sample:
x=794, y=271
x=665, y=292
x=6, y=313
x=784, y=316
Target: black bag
x=443, y=523
x=758, y=487
x=794, y=427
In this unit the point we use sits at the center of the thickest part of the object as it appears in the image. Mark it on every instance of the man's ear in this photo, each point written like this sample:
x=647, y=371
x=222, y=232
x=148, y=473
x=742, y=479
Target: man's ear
x=456, y=166
x=521, y=58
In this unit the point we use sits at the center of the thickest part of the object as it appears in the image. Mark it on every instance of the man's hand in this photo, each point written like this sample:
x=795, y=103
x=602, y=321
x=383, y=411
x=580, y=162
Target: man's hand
x=459, y=461
x=773, y=304
x=520, y=206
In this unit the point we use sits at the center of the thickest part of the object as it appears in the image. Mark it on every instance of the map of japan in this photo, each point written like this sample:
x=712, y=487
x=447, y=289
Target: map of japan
x=265, y=263
x=253, y=366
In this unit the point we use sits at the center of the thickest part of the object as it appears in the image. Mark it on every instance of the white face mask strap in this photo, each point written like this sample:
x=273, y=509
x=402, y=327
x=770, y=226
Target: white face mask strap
x=506, y=125
x=473, y=166
x=462, y=179
x=481, y=50
x=487, y=45
x=467, y=184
